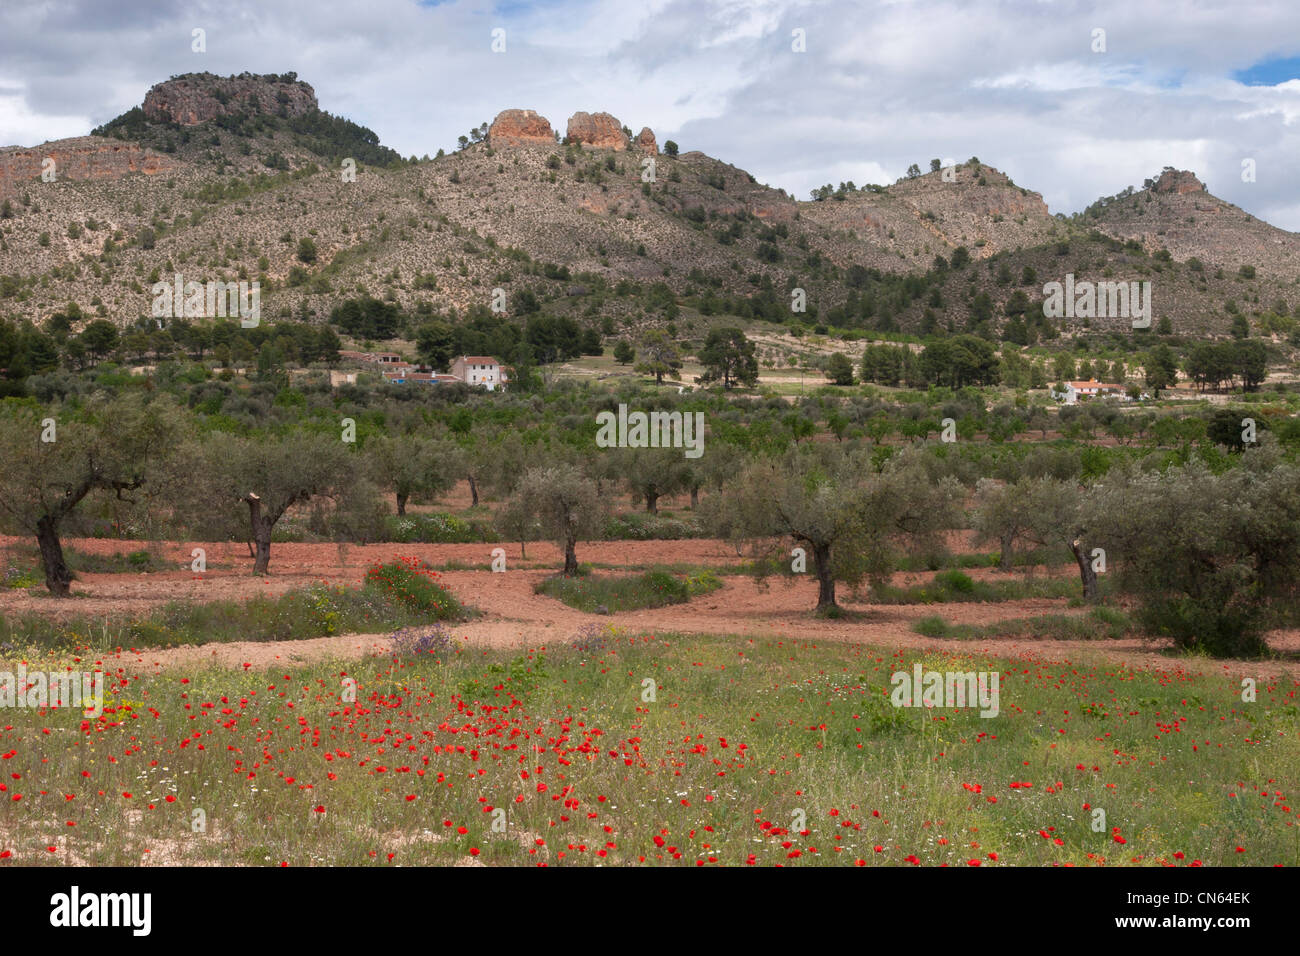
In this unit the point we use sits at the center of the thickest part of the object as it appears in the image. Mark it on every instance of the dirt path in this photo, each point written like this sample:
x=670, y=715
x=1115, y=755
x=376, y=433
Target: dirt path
x=514, y=616
x=295, y=566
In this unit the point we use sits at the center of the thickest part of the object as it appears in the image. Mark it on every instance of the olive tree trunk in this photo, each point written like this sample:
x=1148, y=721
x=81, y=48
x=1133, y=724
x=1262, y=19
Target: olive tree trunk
x=58, y=578
x=1086, y=572
x=825, y=576
x=261, y=526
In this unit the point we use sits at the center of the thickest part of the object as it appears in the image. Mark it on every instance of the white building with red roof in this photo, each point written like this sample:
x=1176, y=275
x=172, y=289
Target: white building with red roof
x=479, y=370
x=1074, y=391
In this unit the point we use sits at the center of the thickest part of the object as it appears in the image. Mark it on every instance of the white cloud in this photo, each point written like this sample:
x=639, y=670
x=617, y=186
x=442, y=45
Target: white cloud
x=20, y=126
x=882, y=84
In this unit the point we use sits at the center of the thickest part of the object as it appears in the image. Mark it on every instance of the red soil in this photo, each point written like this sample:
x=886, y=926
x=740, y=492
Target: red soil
x=514, y=616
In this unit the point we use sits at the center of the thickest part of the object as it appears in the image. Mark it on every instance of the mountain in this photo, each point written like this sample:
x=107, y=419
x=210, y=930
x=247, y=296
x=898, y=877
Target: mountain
x=969, y=205
x=223, y=178
x=1175, y=212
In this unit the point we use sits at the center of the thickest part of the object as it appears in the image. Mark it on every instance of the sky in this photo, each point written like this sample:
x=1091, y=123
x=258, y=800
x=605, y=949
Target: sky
x=1074, y=100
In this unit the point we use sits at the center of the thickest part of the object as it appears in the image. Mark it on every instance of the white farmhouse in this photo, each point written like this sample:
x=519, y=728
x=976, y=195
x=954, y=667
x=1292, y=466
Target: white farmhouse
x=1075, y=391
x=479, y=370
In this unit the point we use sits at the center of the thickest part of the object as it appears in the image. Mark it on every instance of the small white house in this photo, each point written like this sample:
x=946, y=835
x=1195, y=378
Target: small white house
x=479, y=370
x=1075, y=391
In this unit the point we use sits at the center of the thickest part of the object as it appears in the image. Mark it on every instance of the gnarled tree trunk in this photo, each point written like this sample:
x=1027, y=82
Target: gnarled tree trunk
x=57, y=576
x=1086, y=573
x=261, y=526
x=825, y=576
x=1004, y=559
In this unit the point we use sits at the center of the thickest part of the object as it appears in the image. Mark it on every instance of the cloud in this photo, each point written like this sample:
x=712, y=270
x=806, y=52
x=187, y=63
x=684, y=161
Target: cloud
x=880, y=86
x=21, y=126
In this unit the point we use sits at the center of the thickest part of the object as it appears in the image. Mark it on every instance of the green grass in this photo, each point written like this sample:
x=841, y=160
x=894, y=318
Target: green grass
x=438, y=528
x=956, y=586
x=588, y=592
x=688, y=568
x=1100, y=623
x=981, y=559
x=394, y=598
x=672, y=749
x=640, y=526
x=28, y=560
x=929, y=563
x=455, y=565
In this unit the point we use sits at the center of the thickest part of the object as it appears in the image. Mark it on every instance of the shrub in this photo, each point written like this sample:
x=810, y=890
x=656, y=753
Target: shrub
x=639, y=526
x=520, y=676
x=932, y=626
x=437, y=528
x=955, y=580
x=652, y=589
x=412, y=583
x=318, y=611
x=1223, y=628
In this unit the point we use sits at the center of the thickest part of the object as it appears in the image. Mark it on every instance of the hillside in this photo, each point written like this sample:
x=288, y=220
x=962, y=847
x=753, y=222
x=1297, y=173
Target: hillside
x=1175, y=212
x=223, y=178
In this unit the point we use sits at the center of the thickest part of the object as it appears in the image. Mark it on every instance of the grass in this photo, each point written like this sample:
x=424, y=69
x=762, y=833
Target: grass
x=640, y=526
x=27, y=560
x=982, y=559
x=1100, y=623
x=688, y=568
x=909, y=562
x=438, y=528
x=955, y=586
x=590, y=593
x=393, y=596
x=668, y=749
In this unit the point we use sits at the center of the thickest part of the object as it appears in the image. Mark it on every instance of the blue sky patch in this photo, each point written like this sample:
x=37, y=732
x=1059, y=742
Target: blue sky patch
x=1269, y=72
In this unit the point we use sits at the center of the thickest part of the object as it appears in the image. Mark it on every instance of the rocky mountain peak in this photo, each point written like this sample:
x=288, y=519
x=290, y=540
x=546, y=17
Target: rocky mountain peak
x=520, y=128
x=1179, y=181
x=194, y=98
x=599, y=130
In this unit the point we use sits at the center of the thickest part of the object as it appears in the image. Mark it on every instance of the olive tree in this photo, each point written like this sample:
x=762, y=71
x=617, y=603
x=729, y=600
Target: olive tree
x=566, y=506
x=849, y=516
x=270, y=475
x=1035, y=510
x=516, y=523
x=720, y=463
x=495, y=465
x=650, y=473
x=413, y=467
x=53, y=461
x=1214, y=558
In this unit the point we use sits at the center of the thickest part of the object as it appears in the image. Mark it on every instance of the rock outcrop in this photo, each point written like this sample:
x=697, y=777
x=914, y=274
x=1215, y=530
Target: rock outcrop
x=195, y=98
x=1178, y=181
x=85, y=157
x=598, y=130
x=645, y=141
x=520, y=128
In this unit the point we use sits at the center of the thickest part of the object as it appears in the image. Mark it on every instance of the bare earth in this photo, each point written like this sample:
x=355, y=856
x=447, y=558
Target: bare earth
x=514, y=616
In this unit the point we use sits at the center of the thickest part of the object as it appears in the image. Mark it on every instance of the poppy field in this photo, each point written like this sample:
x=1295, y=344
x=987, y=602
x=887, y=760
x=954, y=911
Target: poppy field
x=622, y=748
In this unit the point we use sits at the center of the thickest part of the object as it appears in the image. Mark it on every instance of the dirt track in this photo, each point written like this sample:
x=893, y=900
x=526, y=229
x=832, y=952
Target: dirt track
x=514, y=616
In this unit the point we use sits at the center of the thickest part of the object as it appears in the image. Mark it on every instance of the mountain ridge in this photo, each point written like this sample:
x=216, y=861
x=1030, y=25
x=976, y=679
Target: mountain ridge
x=441, y=234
